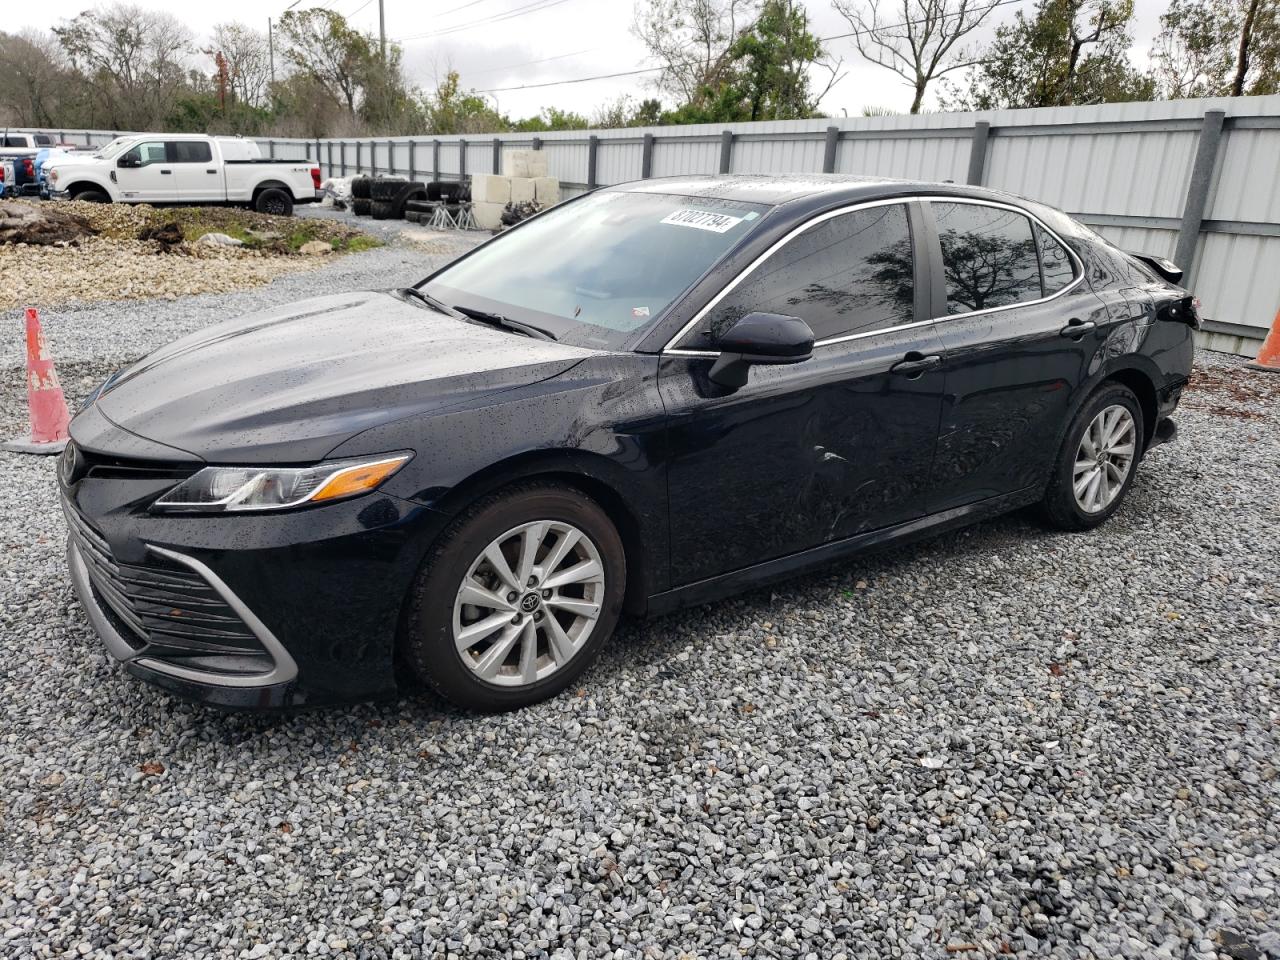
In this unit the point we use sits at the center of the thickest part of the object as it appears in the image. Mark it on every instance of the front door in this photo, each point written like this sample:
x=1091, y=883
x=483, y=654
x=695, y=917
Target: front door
x=816, y=452
x=1020, y=329
x=145, y=175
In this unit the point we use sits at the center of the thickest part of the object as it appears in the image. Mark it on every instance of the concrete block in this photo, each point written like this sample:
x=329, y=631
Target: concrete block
x=522, y=190
x=488, y=215
x=537, y=164
x=490, y=188
x=546, y=190
x=516, y=163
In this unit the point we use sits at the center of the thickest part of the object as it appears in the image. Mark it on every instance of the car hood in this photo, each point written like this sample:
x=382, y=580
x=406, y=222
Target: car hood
x=289, y=385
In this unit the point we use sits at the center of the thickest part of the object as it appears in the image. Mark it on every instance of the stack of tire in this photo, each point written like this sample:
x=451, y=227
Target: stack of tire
x=360, y=200
x=389, y=197
x=452, y=193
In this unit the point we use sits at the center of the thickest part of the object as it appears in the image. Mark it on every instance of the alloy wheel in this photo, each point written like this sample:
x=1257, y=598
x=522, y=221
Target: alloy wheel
x=1104, y=458
x=528, y=603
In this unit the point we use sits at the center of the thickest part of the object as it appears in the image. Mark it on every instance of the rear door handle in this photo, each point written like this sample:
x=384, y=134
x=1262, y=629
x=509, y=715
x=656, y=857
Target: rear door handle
x=1076, y=328
x=211, y=171
x=914, y=364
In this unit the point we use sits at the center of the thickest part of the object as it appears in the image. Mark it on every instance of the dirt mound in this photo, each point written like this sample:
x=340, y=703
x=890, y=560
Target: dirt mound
x=167, y=237
x=42, y=226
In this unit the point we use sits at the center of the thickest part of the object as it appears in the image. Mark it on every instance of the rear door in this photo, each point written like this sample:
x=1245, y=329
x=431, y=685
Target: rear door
x=196, y=172
x=1020, y=329
x=147, y=176
x=822, y=450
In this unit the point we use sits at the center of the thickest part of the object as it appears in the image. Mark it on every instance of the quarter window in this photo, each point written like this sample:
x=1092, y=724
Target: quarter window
x=1055, y=263
x=191, y=151
x=853, y=273
x=988, y=256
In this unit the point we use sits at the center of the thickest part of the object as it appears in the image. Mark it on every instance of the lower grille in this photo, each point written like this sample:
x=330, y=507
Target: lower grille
x=169, y=612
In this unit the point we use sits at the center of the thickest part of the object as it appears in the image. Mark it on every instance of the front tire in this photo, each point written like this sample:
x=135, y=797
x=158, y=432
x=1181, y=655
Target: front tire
x=517, y=598
x=1097, y=462
x=92, y=196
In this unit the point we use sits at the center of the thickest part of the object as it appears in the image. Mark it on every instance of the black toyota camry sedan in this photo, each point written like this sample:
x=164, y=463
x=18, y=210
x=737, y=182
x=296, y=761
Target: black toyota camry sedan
x=650, y=396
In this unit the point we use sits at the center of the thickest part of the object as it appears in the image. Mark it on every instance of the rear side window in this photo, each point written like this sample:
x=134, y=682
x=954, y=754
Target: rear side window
x=44, y=140
x=851, y=274
x=191, y=151
x=989, y=257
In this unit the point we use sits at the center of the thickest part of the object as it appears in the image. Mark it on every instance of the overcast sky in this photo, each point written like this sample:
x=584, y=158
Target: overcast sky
x=491, y=43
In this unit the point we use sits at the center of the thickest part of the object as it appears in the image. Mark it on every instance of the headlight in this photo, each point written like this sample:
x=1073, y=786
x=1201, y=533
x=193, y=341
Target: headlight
x=246, y=489
x=53, y=176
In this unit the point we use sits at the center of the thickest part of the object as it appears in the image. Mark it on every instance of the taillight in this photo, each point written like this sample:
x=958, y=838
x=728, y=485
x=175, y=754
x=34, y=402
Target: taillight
x=28, y=166
x=315, y=177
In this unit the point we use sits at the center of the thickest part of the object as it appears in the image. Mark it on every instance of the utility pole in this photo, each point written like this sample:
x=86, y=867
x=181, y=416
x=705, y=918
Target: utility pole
x=271, y=50
x=382, y=31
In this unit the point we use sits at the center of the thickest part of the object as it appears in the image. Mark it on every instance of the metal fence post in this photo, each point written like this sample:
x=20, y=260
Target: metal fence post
x=1198, y=191
x=413, y=166
x=391, y=157
x=726, y=150
x=435, y=159
x=593, y=153
x=342, y=156
x=978, y=153
x=537, y=143
x=357, y=156
x=497, y=155
x=271, y=148
x=462, y=160
x=829, y=150
x=646, y=158
x=328, y=149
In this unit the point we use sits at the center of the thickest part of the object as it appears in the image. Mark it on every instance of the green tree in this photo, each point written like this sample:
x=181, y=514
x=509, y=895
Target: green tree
x=320, y=44
x=1209, y=48
x=454, y=110
x=916, y=39
x=1068, y=52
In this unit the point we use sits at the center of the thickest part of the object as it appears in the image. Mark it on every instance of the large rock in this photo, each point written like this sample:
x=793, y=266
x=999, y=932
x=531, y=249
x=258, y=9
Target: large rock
x=488, y=216
x=316, y=248
x=522, y=190
x=546, y=190
x=490, y=188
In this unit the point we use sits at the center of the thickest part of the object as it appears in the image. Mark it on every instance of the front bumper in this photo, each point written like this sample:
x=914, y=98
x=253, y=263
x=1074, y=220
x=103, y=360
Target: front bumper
x=257, y=612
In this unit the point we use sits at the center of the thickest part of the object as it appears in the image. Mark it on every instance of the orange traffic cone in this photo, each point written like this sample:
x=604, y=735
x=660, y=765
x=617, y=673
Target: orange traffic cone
x=1269, y=355
x=47, y=406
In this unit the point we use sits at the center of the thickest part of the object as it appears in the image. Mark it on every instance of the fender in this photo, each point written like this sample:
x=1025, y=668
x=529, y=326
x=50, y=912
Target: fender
x=81, y=183
x=638, y=514
x=1125, y=367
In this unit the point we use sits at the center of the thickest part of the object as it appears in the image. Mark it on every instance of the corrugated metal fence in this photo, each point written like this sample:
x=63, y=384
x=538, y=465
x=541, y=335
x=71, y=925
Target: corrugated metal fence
x=1197, y=181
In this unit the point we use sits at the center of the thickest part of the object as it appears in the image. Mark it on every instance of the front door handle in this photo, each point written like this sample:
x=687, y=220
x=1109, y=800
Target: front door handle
x=914, y=364
x=212, y=171
x=1076, y=328
x=166, y=172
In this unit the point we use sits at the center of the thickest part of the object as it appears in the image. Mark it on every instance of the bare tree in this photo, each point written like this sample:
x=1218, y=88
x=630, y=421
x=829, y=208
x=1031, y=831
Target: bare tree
x=35, y=82
x=690, y=40
x=134, y=60
x=916, y=39
x=248, y=61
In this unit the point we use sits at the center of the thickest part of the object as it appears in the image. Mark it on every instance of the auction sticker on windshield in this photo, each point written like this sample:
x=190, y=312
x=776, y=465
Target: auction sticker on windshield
x=702, y=220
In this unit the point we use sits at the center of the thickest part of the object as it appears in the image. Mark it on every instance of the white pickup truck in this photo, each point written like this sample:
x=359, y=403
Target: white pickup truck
x=185, y=168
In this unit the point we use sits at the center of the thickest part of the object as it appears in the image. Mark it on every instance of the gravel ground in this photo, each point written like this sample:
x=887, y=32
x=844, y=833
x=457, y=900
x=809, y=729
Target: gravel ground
x=1003, y=741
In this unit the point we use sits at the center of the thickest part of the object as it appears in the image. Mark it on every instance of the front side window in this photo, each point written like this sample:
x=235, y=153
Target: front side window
x=853, y=273
x=191, y=151
x=151, y=151
x=989, y=256
x=599, y=270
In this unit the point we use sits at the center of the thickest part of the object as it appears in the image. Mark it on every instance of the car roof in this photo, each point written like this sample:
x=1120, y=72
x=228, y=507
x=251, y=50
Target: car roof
x=778, y=189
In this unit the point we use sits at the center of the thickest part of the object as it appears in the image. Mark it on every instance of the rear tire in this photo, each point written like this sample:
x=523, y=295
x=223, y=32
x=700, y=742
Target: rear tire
x=274, y=201
x=564, y=567
x=1097, y=462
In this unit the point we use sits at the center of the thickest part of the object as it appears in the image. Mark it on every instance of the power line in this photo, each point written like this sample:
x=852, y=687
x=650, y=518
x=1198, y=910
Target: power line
x=528, y=63
x=535, y=7
x=632, y=73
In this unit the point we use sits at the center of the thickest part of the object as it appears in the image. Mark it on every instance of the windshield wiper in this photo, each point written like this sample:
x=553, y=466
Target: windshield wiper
x=426, y=298
x=505, y=323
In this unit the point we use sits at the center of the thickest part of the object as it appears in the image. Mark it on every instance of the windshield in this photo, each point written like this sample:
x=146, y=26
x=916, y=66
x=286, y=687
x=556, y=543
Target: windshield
x=114, y=147
x=598, y=270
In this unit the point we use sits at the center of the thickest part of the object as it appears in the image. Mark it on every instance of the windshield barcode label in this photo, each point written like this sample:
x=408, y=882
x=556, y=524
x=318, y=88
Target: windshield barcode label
x=702, y=220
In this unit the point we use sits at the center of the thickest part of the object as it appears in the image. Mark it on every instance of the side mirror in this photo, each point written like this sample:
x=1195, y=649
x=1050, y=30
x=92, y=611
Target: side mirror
x=760, y=338
x=129, y=160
